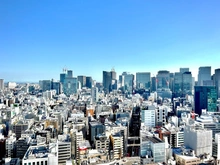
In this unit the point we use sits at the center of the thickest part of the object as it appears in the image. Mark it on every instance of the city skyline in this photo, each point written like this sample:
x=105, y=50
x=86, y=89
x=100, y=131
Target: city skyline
x=40, y=38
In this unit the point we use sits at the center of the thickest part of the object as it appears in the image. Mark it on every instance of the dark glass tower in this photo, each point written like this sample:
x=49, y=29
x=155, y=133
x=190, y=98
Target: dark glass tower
x=205, y=97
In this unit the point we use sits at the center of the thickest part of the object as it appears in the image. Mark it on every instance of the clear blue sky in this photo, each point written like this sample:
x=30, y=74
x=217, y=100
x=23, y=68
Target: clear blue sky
x=40, y=37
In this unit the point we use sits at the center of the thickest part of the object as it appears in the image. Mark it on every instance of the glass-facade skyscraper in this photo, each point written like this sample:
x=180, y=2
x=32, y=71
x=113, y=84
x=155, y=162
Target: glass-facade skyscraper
x=163, y=79
x=205, y=97
x=204, y=74
x=143, y=80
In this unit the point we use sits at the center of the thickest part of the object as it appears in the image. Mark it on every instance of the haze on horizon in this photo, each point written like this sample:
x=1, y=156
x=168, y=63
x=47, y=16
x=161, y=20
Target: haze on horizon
x=39, y=38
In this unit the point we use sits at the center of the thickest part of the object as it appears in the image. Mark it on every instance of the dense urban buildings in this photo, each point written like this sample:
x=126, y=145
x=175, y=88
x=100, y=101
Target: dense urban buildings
x=136, y=119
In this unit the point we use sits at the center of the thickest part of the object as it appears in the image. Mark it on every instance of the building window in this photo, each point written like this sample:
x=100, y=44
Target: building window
x=33, y=163
x=45, y=162
x=42, y=162
x=29, y=163
x=38, y=163
x=25, y=163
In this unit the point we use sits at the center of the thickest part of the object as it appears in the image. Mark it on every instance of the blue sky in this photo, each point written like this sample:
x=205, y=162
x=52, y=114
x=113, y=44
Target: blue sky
x=40, y=37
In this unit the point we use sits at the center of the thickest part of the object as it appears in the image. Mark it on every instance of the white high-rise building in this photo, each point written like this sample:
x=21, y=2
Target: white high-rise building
x=148, y=116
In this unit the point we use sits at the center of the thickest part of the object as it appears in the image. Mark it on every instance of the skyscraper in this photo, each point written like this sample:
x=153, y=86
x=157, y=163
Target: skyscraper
x=187, y=83
x=178, y=84
x=129, y=82
x=45, y=85
x=107, y=80
x=62, y=77
x=204, y=74
x=163, y=79
x=82, y=80
x=69, y=83
x=143, y=80
x=205, y=97
x=217, y=81
x=1, y=84
x=89, y=82
x=182, y=70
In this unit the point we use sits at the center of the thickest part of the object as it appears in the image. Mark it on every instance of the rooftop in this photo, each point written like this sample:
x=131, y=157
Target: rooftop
x=153, y=139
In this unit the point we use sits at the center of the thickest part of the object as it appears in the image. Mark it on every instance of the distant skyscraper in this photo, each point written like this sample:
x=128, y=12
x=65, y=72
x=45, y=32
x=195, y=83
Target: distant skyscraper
x=89, y=82
x=95, y=94
x=163, y=79
x=62, y=77
x=153, y=84
x=70, y=86
x=143, y=80
x=217, y=81
x=1, y=84
x=205, y=97
x=56, y=86
x=182, y=70
x=187, y=83
x=82, y=80
x=45, y=85
x=178, y=84
x=129, y=82
x=69, y=73
x=107, y=80
x=204, y=74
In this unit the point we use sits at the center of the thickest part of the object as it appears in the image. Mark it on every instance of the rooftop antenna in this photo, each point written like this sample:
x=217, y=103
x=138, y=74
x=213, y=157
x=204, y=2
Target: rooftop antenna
x=113, y=69
x=64, y=69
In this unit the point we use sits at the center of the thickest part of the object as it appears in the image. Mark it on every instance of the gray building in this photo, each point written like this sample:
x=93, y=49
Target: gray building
x=1, y=84
x=82, y=80
x=45, y=85
x=143, y=80
x=204, y=74
x=163, y=79
x=217, y=81
x=107, y=80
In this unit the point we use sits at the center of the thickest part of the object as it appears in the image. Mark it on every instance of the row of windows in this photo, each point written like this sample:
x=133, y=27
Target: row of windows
x=36, y=163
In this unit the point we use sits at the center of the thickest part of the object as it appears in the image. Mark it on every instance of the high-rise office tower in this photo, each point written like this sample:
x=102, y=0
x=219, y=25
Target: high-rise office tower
x=70, y=85
x=153, y=84
x=182, y=70
x=178, y=84
x=82, y=80
x=163, y=79
x=129, y=82
x=204, y=74
x=89, y=82
x=187, y=83
x=45, y=85
x=1, y=84
x=69, y=73
x=56, y=86
x=62, y=77
x=217, y=81
x=106, y=81
x=205, y=97
x=113, y=74
x=108, y=78
x=143, y=80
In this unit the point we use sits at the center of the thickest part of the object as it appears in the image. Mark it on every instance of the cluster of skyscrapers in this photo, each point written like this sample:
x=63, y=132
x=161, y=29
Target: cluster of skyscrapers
x=132, y=119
